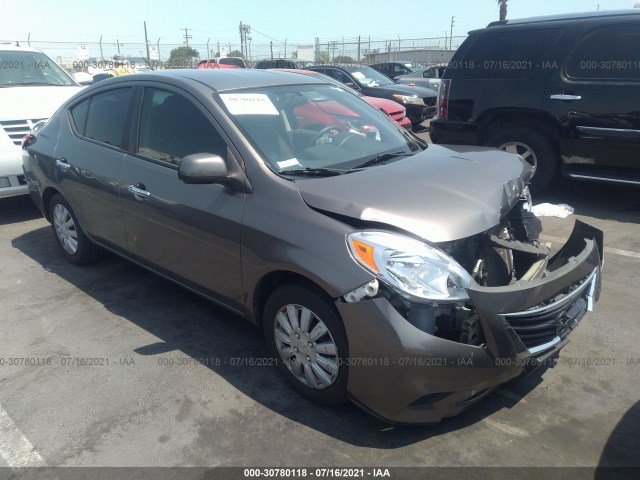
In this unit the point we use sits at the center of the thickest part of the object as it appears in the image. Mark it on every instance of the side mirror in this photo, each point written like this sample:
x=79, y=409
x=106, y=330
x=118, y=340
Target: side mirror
x=203, y=168
x=83, y=78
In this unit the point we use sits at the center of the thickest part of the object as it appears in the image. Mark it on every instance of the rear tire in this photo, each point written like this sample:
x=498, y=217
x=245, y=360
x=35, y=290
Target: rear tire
x=74, y=244
x=534, y=147
x=305, y=334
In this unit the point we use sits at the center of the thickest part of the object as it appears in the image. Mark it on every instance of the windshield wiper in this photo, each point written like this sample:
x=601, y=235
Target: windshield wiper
x=380, y=158
x=313, y=171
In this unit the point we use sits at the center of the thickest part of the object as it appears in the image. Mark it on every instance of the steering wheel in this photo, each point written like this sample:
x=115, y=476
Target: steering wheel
x=326, y=130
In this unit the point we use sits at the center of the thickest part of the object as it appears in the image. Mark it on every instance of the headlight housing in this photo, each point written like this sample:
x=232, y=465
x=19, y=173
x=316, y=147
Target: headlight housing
x=417, y=271
x=408, y=99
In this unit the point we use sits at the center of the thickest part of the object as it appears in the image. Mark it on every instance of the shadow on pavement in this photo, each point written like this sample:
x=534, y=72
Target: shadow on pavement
x=17, y=209
x=200, y=329
x=619, y=459
x=613, y=202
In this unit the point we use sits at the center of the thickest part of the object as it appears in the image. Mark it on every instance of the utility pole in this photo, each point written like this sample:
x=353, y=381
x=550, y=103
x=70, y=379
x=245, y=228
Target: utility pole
x=244, y=44
x=451, y=33
x=118, y=44
x=271, y=45
x=186, y=35
x=146, y=42
x=100, y=42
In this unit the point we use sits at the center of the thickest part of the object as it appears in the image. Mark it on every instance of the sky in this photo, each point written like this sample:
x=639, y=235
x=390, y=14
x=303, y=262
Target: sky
x=293, y=21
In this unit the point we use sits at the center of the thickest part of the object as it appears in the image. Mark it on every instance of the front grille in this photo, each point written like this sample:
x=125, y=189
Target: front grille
x=542, y=325
x=17, y=129
x=397, y=116
x=430, y=101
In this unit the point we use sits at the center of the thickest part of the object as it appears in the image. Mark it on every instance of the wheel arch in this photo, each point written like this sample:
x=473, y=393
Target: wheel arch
x=272, y=281
x=47, y=195
x=537, y=120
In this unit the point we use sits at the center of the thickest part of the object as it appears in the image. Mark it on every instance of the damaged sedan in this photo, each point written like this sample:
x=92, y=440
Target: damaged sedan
x=408, y=278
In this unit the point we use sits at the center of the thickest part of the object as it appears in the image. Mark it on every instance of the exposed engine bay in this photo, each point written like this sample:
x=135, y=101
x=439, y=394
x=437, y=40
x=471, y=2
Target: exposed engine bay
x=501, y=256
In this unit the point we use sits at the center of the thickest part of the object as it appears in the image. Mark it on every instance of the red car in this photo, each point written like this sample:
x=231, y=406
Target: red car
x=391, y=108
x=222, y=62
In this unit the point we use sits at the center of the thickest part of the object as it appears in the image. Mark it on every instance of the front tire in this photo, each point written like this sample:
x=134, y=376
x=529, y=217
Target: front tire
x=534, y=147
x=305, y=334
x=74, y=244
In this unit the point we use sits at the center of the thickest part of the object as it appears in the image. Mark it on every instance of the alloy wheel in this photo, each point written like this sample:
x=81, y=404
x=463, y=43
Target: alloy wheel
x=527, y=154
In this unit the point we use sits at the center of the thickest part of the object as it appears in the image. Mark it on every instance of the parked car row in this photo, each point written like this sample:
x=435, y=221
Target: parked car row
x=419, y=102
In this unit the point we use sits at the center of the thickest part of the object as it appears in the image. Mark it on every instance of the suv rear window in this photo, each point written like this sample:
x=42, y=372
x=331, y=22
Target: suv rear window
x=512, y=55
x=106, y=117
x=610, y=53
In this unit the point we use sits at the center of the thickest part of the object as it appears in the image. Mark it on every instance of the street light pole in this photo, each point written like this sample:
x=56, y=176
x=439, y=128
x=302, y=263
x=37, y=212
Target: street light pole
x=451, y=33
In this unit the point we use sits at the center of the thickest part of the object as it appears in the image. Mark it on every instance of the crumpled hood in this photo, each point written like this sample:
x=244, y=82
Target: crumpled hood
x=440, y=194
x=29, y=103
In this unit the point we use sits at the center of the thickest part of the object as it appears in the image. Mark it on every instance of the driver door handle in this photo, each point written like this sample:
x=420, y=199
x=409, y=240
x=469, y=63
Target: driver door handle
x=139, y=190
x=62, y=164
x=562, y=96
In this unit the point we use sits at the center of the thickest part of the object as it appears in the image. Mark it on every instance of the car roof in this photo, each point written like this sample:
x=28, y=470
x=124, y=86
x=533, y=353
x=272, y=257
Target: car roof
x=346, y=68
x=226, y=79
x=393, y=62
x=13, y=46
x=568, y=16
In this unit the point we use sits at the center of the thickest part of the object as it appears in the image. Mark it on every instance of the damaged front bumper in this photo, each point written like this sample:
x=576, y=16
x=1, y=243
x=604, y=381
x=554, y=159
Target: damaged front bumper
x=404, y=375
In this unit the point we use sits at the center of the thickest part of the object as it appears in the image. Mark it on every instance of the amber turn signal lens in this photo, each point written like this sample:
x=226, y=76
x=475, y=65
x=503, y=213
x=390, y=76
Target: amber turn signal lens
x=365, y=254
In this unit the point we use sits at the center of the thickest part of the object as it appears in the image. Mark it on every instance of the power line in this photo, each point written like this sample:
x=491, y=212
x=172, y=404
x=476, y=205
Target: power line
x=265, y=35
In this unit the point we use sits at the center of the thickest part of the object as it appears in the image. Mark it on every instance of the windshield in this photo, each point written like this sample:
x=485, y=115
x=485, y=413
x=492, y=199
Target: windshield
x=367, y=76
x=238, y=62
x=19, y=69
x=300, y=127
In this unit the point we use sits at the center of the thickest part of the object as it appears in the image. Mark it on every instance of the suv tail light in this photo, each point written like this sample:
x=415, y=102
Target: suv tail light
x=442, y=107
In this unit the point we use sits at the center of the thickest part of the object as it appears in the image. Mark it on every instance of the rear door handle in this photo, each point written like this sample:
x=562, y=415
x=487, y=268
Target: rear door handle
x=139, y=190
x=562, y=96
x=62, y=163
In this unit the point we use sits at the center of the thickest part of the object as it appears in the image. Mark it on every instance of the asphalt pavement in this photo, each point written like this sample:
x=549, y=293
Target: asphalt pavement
x=110, y=365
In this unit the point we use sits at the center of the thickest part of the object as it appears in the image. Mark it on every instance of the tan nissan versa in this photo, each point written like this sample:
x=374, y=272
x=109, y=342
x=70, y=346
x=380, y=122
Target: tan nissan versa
x=406, y=277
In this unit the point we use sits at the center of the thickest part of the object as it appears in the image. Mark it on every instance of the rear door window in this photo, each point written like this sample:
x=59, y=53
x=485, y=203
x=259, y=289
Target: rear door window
x=106, y=118
x=512, y=55
x=610, y=53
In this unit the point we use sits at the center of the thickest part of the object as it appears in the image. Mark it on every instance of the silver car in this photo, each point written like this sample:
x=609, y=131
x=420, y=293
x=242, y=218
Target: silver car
x=406, y=277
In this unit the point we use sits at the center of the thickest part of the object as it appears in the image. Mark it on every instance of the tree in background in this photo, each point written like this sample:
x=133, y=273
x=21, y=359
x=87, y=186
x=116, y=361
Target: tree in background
x=183, y=56
x=503, y=9
x=343, y=59
x=323, y=57
x=236, y=53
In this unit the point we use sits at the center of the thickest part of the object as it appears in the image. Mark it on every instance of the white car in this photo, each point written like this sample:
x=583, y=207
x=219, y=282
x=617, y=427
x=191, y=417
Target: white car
x=32, y=87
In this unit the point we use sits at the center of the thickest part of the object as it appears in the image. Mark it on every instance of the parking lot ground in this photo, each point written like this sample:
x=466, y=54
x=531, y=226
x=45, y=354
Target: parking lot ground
x=123, y=368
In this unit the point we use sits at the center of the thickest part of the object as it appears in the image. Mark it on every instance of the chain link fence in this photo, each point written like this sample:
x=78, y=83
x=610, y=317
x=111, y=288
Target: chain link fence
x=106, y=54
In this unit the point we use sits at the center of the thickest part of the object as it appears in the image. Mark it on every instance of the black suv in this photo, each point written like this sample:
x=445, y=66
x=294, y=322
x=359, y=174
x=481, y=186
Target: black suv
x=393, y=69
x=562, y=91
x=275, y=63
x=420, y=102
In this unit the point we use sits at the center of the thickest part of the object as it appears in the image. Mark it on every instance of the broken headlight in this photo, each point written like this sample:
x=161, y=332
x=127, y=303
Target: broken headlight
x=414, y=269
